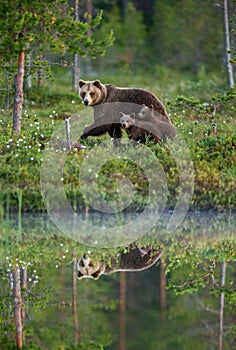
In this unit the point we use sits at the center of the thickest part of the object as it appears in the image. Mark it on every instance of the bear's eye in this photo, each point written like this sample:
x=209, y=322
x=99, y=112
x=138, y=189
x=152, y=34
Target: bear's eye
x=92, y=94
x=83, y=95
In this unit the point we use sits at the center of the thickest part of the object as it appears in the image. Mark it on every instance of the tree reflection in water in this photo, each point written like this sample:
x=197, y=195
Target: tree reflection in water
x=181, y=297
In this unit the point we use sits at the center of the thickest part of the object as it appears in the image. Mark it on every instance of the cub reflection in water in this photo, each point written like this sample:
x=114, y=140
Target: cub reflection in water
x=132, y=258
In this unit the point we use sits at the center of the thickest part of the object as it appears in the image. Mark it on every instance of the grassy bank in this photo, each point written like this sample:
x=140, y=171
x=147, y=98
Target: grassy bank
x=193, y=106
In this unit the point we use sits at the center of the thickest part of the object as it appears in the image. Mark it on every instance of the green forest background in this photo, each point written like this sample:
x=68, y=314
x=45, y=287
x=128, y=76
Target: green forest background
x=152, y=36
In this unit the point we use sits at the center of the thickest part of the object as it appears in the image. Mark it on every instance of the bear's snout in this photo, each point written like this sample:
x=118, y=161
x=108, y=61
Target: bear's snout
x=86, y=102
x=123, y=122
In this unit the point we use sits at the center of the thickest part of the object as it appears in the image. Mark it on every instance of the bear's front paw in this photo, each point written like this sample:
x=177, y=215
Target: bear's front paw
x=83, y=136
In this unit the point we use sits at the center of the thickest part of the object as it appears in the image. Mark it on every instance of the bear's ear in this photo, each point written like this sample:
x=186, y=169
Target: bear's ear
x=96, y=274
x=97, y=83
x=132, y=115
x=151, y=107
x=121, y=114
x=143, y=105
x=81, y=83
x=80, y=275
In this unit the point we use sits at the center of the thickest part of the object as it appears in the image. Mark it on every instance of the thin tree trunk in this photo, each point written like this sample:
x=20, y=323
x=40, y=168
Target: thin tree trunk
x=19, y=195
x=122, y=310
x=89, y=33
x=89, y=11
x=74, y=298
x=76, y=60
x=163, y=287
x=40, y=73
x=18, y=307
x=222, y=301
x=23, y=274
x=19, y=94
x=229, y=65
x=76, y=71
x=28, y=82
x=67, y=120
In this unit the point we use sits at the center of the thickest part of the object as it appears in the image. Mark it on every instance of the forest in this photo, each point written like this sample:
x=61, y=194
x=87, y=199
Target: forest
x=184, y=52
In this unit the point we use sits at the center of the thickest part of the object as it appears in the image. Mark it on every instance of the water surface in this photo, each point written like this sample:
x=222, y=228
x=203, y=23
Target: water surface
x=180, y=294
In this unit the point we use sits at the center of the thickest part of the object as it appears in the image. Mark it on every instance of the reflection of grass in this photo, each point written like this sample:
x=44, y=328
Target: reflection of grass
x=213, y=157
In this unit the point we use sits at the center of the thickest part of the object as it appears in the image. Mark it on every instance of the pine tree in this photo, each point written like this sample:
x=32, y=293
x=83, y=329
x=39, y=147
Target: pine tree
x=32, y=25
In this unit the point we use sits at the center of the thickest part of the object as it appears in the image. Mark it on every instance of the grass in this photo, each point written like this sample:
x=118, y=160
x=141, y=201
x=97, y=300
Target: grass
x=190, y=104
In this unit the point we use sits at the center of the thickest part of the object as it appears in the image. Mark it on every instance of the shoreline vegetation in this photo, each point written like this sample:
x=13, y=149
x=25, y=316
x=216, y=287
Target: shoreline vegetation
x=202, y=111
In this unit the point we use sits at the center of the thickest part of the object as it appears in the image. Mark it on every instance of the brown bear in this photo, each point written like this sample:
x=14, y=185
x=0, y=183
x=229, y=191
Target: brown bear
x=133, y=258
x=138, y=130
x=108, y=100
x=148, y=114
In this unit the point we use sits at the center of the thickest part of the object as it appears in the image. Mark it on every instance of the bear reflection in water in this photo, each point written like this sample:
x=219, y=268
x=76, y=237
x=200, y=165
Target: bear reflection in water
x=132, y=258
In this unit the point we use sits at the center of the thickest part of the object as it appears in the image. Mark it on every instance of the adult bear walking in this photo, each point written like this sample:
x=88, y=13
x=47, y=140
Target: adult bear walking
x=108, y=101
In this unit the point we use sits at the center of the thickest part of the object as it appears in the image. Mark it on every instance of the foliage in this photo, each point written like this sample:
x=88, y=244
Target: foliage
x=39, y=29
x=43, y=26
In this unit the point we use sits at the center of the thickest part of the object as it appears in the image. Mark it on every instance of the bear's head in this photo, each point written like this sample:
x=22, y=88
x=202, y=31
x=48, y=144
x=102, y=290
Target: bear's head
x=127, y=120
x=87, y=268
x=145, y=112
x=91, y=92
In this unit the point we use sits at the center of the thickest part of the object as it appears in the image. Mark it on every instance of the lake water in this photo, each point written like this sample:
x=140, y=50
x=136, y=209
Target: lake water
x=164, y=291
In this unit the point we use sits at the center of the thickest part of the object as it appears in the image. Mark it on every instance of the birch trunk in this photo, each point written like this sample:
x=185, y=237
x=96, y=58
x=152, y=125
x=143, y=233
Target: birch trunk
x=222, y=301
x=19, y=94
x=229, y=65
x=76, y=60
x=89, y=8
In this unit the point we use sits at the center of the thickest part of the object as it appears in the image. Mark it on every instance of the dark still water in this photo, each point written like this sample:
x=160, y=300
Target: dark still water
x=163, y=291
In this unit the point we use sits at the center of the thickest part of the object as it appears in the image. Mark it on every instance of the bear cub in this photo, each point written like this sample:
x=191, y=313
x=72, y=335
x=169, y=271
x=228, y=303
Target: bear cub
x=146, y=124
x=108, y=100
x=148, y=114
x=139, y=131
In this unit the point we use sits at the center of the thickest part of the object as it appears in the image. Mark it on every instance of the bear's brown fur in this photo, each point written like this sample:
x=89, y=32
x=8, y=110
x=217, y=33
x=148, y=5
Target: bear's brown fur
x=108, y=100
x=149, y=115
x=133, y=258
x=137, y=130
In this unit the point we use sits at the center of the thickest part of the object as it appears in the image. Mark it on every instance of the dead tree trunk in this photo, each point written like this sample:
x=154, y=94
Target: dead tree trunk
x=122, y=310
x=76, y=60
x=229, y=65
x=19, y=94
x=18, y=307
